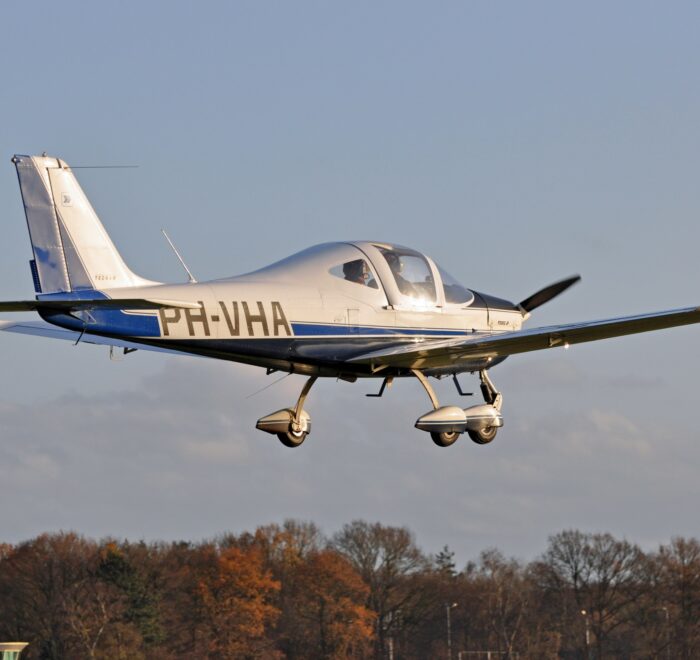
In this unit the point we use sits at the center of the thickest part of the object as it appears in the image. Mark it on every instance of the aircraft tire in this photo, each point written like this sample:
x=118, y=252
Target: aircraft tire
x=484, y=436
x=291, y=439
x=444, y=439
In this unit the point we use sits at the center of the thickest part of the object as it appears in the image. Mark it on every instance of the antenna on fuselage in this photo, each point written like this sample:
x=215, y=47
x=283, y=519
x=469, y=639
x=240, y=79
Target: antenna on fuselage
x=190, y=277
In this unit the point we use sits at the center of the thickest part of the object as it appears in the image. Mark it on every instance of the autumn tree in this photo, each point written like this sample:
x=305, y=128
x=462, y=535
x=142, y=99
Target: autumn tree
x=93, y=611
x=284, y=549
x=594, y=580
x=181, y=566
x=330, y=618
x=115, y=568
x=390, y=564
x=679, y=572
x=237, y=604
x=285, y=591
x=502, y=599
x=52, y=597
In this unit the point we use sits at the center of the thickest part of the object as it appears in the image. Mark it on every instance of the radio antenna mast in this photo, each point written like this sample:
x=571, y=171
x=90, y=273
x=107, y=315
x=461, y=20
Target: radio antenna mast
x=191, y=279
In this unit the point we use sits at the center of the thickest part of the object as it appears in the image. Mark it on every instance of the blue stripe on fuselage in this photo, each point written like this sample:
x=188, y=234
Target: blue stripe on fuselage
x=109, y=322
x=106, y=321
x=324, y=329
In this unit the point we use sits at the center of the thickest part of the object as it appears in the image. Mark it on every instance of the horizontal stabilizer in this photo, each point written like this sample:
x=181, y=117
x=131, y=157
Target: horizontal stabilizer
x=68, y=306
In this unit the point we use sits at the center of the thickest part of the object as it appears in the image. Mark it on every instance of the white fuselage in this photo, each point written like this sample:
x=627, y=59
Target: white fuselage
x=298, y=315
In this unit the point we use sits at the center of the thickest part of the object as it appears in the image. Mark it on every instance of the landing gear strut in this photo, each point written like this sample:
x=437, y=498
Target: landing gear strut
x=446, y=423
x=290, y=425
x=484, y=435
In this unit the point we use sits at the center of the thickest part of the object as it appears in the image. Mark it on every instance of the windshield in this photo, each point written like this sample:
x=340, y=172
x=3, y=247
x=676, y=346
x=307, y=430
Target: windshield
x=455, y=293
x=412, y=274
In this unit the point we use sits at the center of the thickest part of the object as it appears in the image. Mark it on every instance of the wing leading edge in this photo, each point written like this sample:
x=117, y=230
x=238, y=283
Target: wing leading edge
x=106, y=303
x=445, y=353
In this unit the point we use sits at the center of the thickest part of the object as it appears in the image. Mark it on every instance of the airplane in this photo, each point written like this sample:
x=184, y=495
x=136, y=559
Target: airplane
x=345, y=310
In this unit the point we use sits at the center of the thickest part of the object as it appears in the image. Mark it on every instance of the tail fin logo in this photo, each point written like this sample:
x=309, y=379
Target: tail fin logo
x=66, y=199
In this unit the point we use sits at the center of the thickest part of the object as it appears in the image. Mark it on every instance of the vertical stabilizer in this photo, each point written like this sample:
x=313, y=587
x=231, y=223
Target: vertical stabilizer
x=72, y=250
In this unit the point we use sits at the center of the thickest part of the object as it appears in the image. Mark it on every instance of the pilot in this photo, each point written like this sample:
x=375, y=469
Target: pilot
x=396, y=266
x=358, y=271
x=354, y=271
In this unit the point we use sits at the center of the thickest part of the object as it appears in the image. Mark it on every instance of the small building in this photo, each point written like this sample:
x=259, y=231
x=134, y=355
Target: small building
x=11, y=650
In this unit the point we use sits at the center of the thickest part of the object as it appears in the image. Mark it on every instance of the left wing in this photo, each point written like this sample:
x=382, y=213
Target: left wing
x=52, y=305
x=432, y=354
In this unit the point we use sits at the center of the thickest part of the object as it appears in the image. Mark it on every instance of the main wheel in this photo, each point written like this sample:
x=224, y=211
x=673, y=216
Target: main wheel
x=292, y=439
x=484, y=436
x=444, y=439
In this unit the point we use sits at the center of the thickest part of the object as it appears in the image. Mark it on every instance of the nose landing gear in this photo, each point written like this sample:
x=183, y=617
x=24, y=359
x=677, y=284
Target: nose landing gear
x=446, y=423
x=484, y=431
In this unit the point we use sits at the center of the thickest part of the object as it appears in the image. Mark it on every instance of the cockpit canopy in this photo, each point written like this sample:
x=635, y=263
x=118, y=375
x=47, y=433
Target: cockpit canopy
x=400, y=276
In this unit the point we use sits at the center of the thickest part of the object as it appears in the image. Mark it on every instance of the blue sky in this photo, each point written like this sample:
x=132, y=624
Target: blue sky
x=515, y=143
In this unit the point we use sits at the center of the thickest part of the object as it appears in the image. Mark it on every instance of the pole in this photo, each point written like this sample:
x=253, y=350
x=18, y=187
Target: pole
x=390, y=629
x=449, y=607
x=588, y=634
x=449, y=632
x=668, y=634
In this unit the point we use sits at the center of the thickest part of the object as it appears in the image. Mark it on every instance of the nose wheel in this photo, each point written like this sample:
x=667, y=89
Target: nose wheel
x=483, y=436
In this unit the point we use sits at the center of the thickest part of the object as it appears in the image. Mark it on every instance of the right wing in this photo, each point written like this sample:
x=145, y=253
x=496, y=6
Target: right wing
x=42, y=329
x=445, y=353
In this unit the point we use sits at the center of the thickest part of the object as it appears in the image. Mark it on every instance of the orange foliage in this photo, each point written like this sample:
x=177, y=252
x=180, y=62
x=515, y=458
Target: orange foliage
x=330, y=599
x=237, y=607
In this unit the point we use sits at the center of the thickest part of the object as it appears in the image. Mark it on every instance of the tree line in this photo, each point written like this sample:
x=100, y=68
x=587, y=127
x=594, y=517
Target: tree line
x=368, y=591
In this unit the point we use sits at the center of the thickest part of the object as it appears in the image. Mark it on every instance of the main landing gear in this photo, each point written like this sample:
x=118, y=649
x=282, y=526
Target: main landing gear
x=446, y=423
x=290, y=425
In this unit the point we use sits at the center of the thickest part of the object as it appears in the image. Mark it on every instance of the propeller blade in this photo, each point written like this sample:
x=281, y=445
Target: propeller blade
x=546, y=294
